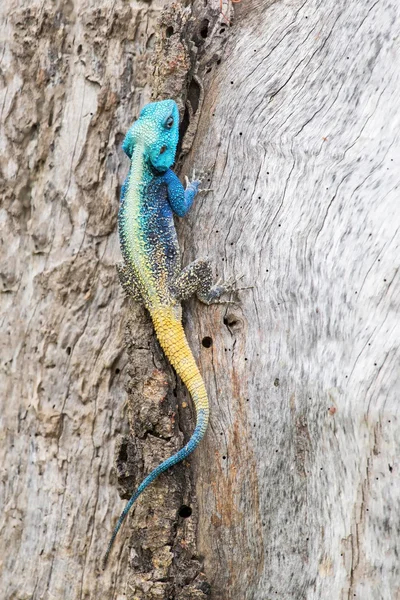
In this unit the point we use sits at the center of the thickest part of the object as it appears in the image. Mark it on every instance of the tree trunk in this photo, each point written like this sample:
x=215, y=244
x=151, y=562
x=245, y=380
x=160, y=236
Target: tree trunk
x=291, y=113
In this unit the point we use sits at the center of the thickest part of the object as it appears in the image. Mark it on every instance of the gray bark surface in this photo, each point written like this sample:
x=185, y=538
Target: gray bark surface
x=295, y=491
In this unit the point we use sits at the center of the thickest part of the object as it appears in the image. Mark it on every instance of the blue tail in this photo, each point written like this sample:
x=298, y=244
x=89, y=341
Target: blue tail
x=202, y=419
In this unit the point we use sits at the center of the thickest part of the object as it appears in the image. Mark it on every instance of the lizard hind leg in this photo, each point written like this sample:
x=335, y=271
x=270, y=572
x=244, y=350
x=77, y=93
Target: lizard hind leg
x=197, y=278
x=128, y=281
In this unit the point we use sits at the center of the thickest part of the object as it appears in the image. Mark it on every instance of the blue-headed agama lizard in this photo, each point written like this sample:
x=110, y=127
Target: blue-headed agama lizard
x=151, y=269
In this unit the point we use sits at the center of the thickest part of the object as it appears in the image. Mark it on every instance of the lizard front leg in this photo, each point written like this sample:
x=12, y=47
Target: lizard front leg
x=128, y=281
x=197, y=278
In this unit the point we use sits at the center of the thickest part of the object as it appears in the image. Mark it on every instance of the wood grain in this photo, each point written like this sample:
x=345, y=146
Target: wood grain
x=297, y=481
x=70, y=91
x=298, y=485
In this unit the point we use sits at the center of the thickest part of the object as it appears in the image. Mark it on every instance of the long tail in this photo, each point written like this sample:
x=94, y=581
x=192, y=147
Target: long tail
x=171, y=336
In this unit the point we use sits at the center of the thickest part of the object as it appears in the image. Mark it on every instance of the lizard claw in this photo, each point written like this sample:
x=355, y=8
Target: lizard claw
x=230, y=285
x=194, y=183
x=247, y=287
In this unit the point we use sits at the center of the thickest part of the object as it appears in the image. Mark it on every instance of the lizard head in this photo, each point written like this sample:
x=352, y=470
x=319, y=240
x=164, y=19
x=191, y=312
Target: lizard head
x=156, y=132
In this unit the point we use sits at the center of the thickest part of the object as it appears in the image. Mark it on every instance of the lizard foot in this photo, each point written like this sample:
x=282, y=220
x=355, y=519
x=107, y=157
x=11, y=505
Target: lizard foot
x=196, y=181
x=229, y=286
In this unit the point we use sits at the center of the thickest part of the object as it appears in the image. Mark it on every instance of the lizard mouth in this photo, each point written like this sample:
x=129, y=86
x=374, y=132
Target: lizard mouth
x=163, y=149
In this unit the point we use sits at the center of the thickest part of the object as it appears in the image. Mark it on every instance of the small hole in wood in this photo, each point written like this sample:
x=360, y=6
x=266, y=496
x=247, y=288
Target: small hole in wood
x=68, y=350
x=230, y=322
x=169, y=31
x=185, y=511
x=207, y=342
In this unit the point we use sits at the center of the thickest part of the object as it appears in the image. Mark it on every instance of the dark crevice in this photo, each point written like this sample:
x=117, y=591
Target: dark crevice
x=182, y=129
x=204, y=28
x=123, y=454
x=193, y=95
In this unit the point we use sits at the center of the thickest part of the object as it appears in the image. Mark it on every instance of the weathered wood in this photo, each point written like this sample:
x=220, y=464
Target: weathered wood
x=74, y=76
x=298, y=482
x=74, y=79
x=297, y=489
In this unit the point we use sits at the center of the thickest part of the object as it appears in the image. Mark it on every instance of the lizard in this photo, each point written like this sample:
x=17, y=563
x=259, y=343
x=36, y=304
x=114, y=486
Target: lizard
x=151, y=268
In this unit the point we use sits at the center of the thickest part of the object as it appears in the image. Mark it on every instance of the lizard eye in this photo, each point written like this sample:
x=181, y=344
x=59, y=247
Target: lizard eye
x=169, y=122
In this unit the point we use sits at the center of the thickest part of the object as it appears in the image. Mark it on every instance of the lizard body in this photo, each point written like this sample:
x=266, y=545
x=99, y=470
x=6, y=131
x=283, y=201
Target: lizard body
x=151, y=269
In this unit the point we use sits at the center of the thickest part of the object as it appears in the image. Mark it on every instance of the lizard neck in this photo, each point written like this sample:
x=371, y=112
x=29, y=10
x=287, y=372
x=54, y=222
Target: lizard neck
x=140, y=174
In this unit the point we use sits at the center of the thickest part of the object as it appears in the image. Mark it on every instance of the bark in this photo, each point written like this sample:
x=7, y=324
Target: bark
x=290, y=109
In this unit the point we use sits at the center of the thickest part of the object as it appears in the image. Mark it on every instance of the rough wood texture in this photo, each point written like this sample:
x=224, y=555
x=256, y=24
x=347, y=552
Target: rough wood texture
x=299, y=492
x=297, y=489
x=74, y=78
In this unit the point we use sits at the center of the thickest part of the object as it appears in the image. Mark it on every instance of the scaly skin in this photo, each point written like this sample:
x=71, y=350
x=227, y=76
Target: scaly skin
x=151, y=270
